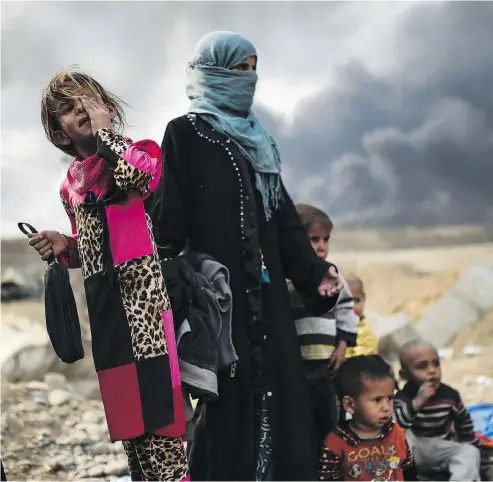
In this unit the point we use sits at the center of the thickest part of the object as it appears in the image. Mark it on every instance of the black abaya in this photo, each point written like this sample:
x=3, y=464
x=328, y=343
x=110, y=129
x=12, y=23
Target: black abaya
x=207, y=199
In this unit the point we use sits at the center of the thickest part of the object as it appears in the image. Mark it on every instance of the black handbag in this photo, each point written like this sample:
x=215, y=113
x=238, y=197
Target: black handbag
x=62, y=319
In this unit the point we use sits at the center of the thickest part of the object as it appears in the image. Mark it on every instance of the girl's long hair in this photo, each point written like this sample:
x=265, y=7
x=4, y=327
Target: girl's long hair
x=64, y=86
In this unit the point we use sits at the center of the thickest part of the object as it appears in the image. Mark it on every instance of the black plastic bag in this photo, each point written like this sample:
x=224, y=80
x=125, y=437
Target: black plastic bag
x=62, y=320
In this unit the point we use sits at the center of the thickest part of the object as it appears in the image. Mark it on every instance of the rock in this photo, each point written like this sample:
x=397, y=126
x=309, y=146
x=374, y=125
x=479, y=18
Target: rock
x=75, y=475
x=56, y=464
x=65, y=439
x=20, y=336
x=12, y=423
x=27, y=406
x=79, y=427
x=35, y=360
x=101, y=449
x=44, y=417
x=9, y=369
x=393, y=331
x=58, y=397
x=117, y=448
x=16, y=447
x=39, y=397
x=87, y=388
x=13, y=276
x=55, y=380
x=71, y=422
x=101, y=459
x=94, y=431
x=6, y=389
x=15, y=286
x=92, y=416
x=116, y=467
x=80, y=439
x=82, y=461
x=78, y=450
x=96, y=471
x=26, y=354
x=37, y=385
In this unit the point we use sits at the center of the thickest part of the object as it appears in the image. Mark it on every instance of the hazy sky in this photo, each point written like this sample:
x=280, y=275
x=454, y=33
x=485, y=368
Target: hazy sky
x=383, y=111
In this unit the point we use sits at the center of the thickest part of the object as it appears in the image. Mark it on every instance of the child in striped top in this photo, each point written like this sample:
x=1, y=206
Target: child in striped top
x=439, y=429
x=324, y=337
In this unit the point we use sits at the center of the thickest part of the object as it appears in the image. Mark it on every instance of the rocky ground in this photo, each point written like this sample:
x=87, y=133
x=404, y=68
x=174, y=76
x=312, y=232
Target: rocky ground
x=49, y=433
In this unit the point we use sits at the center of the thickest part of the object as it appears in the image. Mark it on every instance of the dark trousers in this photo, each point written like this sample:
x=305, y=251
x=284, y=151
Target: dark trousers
x=323, y=397
x=3, y=473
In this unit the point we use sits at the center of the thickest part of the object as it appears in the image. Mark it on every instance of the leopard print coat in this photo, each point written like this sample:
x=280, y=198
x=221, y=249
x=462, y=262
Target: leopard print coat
x=130, y=316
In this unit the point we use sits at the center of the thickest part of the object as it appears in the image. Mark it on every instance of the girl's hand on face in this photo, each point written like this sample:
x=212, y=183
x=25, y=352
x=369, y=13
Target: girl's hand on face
x=98, y=112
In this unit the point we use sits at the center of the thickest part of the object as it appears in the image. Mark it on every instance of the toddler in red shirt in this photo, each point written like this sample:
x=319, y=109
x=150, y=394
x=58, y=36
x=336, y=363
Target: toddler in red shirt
x=370, y=446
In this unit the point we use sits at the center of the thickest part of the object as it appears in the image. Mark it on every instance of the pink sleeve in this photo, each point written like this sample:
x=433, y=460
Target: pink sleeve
x=145, y=156
x=136, y=166
x=70, y=258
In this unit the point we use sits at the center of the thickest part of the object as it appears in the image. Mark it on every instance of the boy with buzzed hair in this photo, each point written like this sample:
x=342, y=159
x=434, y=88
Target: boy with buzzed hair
x=439, y=429
x=370, y=446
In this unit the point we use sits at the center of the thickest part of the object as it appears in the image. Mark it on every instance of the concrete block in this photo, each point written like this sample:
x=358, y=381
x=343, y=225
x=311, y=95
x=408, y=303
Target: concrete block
x=9, y=369
x=393, y=331
x=17, y=333
x=451, y=314
x=476, y=286
x=34, y=361
x=86, y=388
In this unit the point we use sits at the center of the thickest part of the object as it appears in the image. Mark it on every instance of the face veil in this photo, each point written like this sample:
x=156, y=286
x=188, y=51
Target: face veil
x=224, y=97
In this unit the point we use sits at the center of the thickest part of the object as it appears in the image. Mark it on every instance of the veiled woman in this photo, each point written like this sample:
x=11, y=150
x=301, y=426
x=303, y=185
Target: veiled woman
x=221, y=193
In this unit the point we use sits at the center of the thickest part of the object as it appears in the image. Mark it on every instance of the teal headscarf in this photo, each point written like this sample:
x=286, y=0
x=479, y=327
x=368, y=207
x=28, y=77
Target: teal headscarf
x=224, y=97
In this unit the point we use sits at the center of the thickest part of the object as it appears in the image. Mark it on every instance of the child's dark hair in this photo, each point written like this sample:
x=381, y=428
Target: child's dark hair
x=65, y=84
x=310, y=215
x=356, y=370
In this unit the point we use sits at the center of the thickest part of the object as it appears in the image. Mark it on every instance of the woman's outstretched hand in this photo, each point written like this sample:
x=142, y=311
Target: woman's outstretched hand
x=331, y=283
